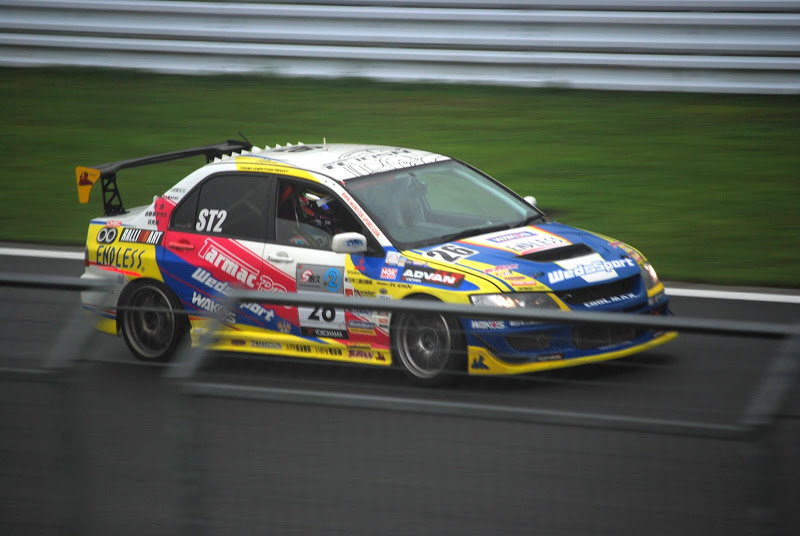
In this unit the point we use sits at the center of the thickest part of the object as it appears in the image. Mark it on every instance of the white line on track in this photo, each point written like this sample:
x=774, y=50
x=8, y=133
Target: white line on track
x=732, y=295
x=41, y=253
x=671, y=291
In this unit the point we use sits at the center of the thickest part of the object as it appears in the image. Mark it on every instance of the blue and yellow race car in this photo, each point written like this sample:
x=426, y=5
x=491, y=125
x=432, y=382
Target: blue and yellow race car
x=357, y=221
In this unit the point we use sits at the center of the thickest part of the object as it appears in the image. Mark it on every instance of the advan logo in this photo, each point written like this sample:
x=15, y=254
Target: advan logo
x=235, y=267
x=422, y=274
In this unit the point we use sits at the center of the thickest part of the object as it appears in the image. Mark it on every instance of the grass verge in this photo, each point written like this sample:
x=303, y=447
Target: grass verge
x=706, y=185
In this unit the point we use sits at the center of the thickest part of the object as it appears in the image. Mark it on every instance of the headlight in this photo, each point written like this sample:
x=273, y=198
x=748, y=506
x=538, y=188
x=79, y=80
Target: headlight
x=512, y=300
x=649, y=275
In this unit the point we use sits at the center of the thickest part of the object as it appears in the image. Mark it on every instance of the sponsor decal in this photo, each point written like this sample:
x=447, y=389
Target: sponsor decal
x=204, y=302
x=114, y=223
x=84, y=179
x=360, y=266
x=423, y=274
x=450, y=252
x=597, y=267
x=317, y=278
x=141, y=236
x=521, y=323
x=107, y=235
x=550, y=357
x=380, y=357
x=655, y=298
x=394, y=258
x=327, y=350
x=221, y=258
x=523, y=241
x=627, y=249
x=265, y=344
x=301, y=348
x=354, y=242
x=262, y=313
x=325, y=332
x=507, y=237
x=504, y=269
x=361, y=354
x=526, y=282
x=204, y=277
x=611, y=300
x=283, y=326
x=478, y=364
x=360, y=324
x=488, y=324
x=118, y=257
x=361, y=214
x=388, y=273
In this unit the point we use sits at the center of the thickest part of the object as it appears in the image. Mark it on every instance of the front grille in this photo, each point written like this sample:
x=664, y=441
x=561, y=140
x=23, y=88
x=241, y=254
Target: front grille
x=580, y=296
x=558, y=254
x=529, y=342
x=588, y=337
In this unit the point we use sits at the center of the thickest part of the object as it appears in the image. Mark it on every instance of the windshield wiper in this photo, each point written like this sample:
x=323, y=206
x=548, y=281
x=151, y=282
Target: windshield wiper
x=535, y=217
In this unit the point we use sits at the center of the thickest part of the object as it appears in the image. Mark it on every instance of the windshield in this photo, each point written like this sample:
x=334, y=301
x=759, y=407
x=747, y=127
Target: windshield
x=437, y=203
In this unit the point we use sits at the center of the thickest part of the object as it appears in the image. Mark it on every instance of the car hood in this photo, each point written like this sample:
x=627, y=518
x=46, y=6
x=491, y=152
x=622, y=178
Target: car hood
x=546, y=256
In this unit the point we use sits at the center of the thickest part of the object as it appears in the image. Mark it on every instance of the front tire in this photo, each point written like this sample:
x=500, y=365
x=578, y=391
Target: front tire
x=429, y=346
x=153, y=333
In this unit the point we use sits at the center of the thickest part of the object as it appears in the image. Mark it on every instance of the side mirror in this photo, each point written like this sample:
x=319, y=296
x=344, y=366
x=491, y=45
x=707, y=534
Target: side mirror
x=349, y=243
x=531, y=200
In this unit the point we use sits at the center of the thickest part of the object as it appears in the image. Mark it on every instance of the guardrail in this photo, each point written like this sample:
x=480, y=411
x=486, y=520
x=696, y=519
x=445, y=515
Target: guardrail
x=249, y=457
x=662, y=45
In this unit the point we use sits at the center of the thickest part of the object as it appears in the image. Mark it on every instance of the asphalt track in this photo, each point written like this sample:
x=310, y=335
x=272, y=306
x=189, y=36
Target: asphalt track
x=129, y=434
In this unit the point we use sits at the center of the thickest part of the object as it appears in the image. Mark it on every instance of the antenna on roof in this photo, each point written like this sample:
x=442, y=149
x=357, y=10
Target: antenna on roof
x=246, y=140
x=324, y=144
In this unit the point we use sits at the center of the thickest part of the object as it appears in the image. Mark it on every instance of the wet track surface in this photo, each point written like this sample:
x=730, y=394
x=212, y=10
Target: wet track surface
x=130, y=436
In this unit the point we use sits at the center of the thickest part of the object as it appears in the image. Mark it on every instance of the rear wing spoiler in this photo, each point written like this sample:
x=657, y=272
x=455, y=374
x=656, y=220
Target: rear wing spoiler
x=86, y=177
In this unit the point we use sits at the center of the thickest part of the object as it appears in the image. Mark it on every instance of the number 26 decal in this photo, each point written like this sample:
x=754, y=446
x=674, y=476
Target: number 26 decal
x=326, y=314
x=210, y=220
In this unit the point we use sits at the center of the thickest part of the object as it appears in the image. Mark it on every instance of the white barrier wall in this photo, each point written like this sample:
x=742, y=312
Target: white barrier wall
x=745, y=46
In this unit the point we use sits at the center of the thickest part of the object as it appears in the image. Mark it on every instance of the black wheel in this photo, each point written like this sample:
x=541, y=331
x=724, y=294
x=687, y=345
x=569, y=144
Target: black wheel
x=429, y=346
x=152, y=335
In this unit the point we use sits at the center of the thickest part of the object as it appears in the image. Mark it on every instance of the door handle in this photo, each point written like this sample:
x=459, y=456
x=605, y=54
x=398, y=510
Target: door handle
x=182, y=245
x=280, y=258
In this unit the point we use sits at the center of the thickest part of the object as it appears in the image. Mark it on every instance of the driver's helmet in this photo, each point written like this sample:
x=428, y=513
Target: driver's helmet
x=319, y=211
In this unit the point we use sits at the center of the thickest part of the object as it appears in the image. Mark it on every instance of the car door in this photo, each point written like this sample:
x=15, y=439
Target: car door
x=215, y=242
x=307, y=217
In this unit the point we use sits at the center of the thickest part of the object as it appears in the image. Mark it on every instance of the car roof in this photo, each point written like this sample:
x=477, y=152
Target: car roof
x=342, y=161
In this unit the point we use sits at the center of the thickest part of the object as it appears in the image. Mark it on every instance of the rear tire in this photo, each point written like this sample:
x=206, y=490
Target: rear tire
x=429, y=346
x=152, y=335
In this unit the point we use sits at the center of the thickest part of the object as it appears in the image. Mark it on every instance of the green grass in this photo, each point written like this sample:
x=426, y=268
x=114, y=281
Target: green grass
x=705, y=185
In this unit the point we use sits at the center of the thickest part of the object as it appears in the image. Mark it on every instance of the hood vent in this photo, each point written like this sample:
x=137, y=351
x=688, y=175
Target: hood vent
x=558, y=254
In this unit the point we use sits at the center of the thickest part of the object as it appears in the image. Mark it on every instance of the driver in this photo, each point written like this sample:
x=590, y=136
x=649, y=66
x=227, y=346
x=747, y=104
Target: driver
x=312, y=219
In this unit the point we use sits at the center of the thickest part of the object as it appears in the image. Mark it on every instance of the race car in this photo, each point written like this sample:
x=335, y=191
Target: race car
x=352, y=220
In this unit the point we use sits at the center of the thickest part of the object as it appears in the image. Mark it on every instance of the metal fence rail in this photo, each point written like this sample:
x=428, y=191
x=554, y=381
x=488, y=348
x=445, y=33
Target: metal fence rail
x=745, y=452
x=745, y=46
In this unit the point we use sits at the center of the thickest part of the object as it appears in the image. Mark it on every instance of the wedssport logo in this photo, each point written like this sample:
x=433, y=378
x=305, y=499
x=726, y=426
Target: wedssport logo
x=588, y=269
